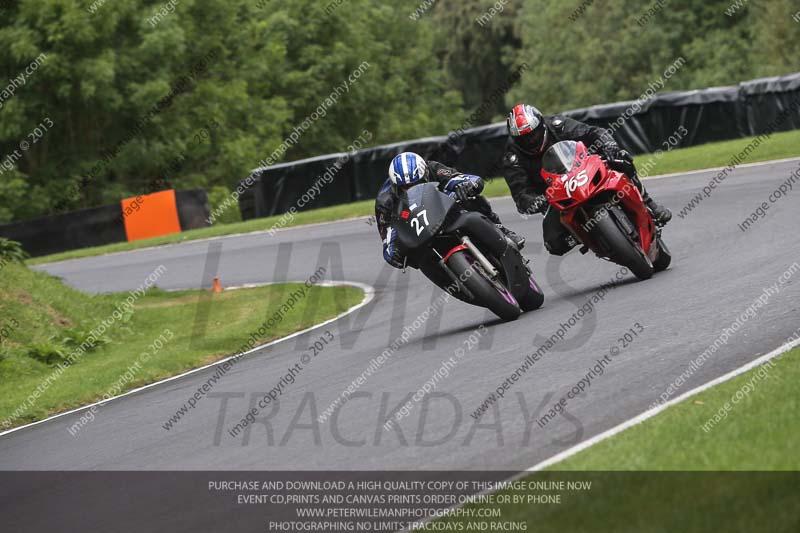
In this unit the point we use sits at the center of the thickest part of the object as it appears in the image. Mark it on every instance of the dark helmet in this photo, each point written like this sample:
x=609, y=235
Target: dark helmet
x=526, y=127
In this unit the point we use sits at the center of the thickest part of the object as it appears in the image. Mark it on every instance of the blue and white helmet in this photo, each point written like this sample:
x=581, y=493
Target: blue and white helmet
x=408, y=169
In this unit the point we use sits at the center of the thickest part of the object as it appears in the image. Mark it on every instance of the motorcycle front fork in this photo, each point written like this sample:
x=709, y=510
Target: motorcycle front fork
x=487, y=265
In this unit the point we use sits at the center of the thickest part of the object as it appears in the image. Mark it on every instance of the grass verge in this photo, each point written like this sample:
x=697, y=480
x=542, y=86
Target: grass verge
x=719, y=154
x=42, y=321
x=758, y=432
x=781, y=145
x=672, y=474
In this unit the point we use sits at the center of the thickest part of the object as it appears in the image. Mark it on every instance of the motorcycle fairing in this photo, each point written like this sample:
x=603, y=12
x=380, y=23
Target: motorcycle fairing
x=587, y=179
x=422, y=210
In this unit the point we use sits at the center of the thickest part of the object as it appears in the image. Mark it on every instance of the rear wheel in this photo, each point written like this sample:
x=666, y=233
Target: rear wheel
x=620, y=246
x=533, y=297
x=488, y=293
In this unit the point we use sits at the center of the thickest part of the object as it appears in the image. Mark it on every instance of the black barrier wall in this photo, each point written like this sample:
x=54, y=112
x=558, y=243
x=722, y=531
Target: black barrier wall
x=95, y=226
x=715, y=114
x=68, y=231
x=192, y=208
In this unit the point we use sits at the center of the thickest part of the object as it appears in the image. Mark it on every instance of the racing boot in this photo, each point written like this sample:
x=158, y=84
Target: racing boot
x=661, y=214
x=518, y=240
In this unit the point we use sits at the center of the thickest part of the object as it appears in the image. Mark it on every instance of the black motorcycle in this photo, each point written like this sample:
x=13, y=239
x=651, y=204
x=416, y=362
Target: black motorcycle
x=463, y=253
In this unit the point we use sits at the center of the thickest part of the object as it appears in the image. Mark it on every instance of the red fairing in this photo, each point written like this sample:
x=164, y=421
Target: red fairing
x=575, y=187
x=588, y=178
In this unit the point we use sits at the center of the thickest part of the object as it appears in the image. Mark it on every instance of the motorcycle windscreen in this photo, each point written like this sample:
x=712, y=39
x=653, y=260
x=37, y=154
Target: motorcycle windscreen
x=560, y=158
x=423, y=210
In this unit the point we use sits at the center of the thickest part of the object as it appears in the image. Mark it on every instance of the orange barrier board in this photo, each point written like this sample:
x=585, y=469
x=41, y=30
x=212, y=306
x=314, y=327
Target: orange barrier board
x=150, y=215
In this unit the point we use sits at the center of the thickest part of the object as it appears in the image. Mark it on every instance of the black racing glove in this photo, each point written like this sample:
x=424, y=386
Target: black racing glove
x=623, y=162
x=618, y=158
x=624, y=155
x=468, y=189
x=610, y=151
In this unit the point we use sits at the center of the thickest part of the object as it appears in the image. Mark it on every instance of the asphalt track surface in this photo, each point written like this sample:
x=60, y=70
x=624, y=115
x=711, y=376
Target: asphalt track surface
x=717, y=273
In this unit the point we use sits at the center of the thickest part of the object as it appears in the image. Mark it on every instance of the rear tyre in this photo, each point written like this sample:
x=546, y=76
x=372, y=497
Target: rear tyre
x=664, y=257
x=620, y=246
x=489, y=294
x=533, y=297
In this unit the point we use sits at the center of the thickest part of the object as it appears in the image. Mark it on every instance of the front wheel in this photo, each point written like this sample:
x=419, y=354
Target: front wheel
x=619, y=246
x=488, y=293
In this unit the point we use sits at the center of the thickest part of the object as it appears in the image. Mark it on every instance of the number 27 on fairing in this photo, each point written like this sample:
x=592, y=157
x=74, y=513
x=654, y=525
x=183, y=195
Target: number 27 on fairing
x=415, y=222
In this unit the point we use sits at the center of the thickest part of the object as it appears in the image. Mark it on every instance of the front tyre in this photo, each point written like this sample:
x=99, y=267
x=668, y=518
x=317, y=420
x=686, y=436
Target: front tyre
x=488, y=293
x=619, y=246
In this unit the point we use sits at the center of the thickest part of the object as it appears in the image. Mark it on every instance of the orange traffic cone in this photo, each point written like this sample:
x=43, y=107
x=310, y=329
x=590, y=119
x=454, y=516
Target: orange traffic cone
x=217, y=286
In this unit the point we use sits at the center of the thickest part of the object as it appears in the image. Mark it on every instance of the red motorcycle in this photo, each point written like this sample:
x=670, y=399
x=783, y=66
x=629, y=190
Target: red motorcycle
x=603, y=210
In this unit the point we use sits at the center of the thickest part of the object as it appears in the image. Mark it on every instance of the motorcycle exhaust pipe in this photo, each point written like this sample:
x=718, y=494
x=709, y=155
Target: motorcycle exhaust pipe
x=485, y=263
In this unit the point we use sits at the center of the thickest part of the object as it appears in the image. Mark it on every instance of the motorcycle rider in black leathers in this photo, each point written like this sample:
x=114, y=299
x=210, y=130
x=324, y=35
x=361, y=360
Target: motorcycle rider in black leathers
x=530, y=135
x=408, y=169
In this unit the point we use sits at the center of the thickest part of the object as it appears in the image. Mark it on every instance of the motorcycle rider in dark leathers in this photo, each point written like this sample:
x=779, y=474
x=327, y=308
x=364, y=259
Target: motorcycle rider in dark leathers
x=408, y=169
x=530, y=134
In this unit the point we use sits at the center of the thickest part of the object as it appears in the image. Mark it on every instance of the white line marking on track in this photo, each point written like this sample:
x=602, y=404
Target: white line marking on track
x=369, y=295
x=650, y=413
x=640, y=418
x=717, y=169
